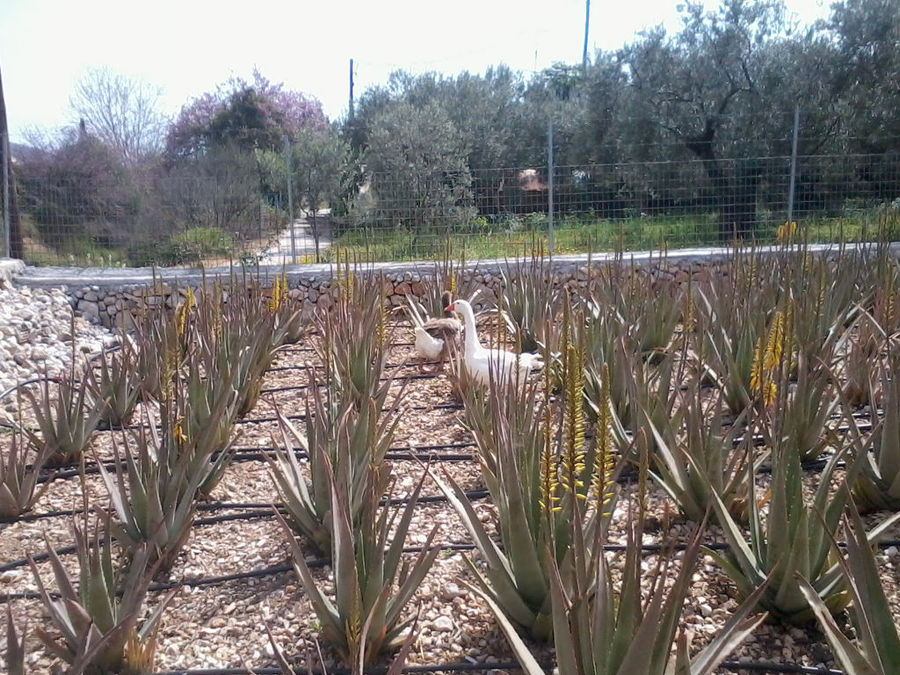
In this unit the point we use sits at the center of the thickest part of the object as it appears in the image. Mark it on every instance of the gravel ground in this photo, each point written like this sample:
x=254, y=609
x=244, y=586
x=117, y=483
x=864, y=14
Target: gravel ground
x=223, y=625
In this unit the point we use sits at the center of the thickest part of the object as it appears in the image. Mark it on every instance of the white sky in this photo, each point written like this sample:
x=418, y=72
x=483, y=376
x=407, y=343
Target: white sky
x=187, y=47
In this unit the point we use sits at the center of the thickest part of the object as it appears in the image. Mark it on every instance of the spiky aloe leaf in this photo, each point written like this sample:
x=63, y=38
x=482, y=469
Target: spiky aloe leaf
x=878, y=648
x=520, y=649
x=15, y=646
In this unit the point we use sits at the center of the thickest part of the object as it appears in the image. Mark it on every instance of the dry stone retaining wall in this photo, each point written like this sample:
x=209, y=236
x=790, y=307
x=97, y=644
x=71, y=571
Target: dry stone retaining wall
x=111, y=300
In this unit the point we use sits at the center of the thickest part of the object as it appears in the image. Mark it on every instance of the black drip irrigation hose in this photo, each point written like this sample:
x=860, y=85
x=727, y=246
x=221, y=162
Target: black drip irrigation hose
x=313, y=563
x=460, y=667
x=322, y=561
x=468, y=667
x=415, y=408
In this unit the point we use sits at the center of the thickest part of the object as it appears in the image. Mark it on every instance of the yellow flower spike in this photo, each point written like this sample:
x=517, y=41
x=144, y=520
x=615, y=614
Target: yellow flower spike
x=601, y=488
x=775, y=345
x=756, y=370
x=573, y=462
x=279, y=287
x=178, y=432
x=184, y=309
x=786, y=233
x=770, y=393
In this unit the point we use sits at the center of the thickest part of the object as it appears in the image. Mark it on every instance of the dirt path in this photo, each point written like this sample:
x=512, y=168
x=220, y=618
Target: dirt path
x=303, y=246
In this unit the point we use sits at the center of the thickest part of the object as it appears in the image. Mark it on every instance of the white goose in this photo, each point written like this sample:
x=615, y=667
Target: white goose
x=481, y=362
x=435, y=337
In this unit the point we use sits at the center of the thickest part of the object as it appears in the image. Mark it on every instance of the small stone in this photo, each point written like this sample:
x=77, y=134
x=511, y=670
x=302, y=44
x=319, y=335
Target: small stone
x=451, y=591
x=442, y=624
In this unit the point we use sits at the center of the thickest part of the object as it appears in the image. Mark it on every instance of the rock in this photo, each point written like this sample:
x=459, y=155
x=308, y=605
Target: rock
x=451, y=591
x=442, y=624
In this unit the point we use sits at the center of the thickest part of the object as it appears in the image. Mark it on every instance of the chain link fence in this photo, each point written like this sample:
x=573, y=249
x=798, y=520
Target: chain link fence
x=183, y=216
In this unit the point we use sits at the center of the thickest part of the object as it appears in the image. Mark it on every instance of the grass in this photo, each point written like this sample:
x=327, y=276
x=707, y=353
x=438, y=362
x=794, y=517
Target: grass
x=506, y=236
x=528, y=235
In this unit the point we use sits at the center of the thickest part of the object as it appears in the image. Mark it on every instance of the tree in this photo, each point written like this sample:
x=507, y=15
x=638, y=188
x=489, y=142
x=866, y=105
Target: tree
x=701, y=88
x=255, y=115
x=318, y=160
x=867, y=35
x=120, y=112
x=79, y=192
x=417, y=166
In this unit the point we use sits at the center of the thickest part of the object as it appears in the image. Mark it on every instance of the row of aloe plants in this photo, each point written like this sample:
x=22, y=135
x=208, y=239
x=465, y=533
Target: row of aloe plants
x=209, y=357
x=565, y=495
x=336, y=501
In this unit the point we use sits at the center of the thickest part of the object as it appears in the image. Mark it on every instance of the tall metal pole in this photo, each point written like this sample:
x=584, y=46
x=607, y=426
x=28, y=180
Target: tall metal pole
x=790, y=210
x=4, y=142
x=587, y=23
x=290, y=193
x=351, y=90
x=550, y=172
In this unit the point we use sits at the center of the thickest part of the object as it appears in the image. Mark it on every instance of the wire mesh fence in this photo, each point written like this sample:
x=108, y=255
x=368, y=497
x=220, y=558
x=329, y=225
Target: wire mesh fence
x=87, y=216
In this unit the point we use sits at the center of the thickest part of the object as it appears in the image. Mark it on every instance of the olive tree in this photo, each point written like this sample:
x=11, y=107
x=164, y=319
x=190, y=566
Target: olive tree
x=417, y=170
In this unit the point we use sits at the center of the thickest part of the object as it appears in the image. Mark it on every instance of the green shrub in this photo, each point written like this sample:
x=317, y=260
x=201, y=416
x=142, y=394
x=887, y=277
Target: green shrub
x=191, y=246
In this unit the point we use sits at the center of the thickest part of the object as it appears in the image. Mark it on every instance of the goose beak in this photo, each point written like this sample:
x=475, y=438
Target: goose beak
x=450, y=308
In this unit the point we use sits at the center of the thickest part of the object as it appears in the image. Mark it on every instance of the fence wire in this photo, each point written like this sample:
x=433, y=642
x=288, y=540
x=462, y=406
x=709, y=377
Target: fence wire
x=86, y=215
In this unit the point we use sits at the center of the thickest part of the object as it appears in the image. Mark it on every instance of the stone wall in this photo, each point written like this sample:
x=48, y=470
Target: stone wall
x=111, y=300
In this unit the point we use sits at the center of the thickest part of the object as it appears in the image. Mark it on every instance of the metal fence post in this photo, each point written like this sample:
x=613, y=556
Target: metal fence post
x=290, y=196
x=4, y=147
x=550, y=187
x=790, y=209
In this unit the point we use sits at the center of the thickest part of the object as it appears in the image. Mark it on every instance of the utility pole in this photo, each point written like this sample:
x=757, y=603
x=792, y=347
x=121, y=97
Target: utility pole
x=587, y=24
x=351, y=89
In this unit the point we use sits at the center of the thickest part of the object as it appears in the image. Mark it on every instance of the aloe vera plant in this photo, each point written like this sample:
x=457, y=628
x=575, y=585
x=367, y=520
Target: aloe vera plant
x=697, y=454
x=792, y=540
x=733, y=317
x=529, y=301
x=66, y=421
x=160, y=356
x=210, y=408
x=98, y=621
x=355, y=341
x=609, y=625
x=877, y=647
x=807, y=405
x=541, y=474
x=614, y=632
x=116, y=388
x=19, y=478
x=649, y=309
x=372, y=582
x=862, y=350
x=153, y=491
x=339, y=433
x=878, y=484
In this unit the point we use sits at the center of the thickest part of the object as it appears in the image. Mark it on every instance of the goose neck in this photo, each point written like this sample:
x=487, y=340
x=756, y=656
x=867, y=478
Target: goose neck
x=472, y=342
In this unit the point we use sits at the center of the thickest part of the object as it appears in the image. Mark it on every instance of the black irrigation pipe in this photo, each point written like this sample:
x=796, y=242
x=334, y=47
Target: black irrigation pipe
x=319, y=562
x=416, y=408
x=460, y=667
x=465, y=666
x=393, y=378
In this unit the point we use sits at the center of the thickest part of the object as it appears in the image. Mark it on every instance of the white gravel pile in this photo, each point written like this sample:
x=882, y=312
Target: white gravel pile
x=37, y=334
